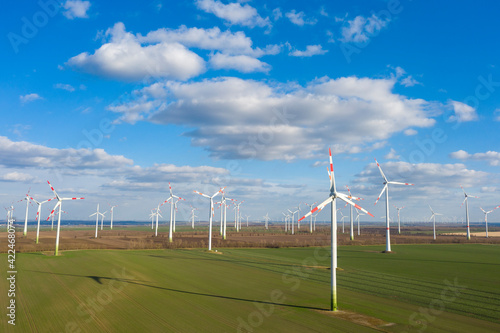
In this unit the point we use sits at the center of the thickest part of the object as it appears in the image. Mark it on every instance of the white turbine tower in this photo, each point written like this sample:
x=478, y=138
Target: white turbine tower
x=157, y=213
x=102, y=219
x=97, y=213
x=311, y=222
x=247, y=216
x=192, y=216
x=210, y=213
x=38, y=215
x=342, y=218
x=27, y=198
x=486, y=217
x=358, y=214
x=266, y=218
x=399, y=219
x=433, y=217
x=293, y=213
x=467, y=210
x=112, y=208
x=331, y=199
x=172, y=218
x=286, y=221
x=59, y=204
x=238, y=224
x=152, y=216
x=386, y=189
x=351, y=218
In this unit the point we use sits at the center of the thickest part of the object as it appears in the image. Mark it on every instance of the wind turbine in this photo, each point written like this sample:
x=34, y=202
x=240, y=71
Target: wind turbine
x=192, y=216
x=172, y=196
x=157, y=213
x=111, y=223
x=311, y=222
x=433, y=217
x=97, y=213
x=386, y=189
x=358, y=214
x=266, y=218
x=342, y=218
x=247, y=219
x=38, y=215
x=102, y=219
x=59, y=204
x=175, y=210
x=331, y=199
x=293, y=213
x=27, y=198
x=351, y=218
x=399, y=220
x=486, y=217
x=210, y=213
x=286, y=221
x=467, y=210
x=238, y=224
x=152, y=215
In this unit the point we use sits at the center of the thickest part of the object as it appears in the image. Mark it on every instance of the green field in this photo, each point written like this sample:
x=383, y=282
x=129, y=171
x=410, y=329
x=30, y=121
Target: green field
x=418, y=288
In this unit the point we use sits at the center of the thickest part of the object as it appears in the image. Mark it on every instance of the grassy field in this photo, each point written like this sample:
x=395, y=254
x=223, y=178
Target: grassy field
x=431, y=288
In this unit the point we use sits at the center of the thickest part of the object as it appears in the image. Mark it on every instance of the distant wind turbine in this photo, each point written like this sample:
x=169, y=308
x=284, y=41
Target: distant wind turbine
x=351, y=218
x=97, y=213
x=467, y=210
x=311, y=221
x=266, y=218
x=399, y=219
x=59, y=204
x=386, y=189
x=433, y=217
x=486, y=218
x=112, y=208
x=38, y=215
x=331, y=199
x=210, y=213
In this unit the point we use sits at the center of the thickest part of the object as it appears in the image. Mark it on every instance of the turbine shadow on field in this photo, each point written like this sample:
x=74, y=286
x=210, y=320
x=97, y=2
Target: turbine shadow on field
x=99, y=279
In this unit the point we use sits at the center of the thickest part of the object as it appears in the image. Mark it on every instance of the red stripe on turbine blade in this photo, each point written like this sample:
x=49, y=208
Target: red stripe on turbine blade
x=315, y=209
x=370, y=214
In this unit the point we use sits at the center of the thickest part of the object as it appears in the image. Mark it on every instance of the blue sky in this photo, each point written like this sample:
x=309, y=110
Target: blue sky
x=113, y=100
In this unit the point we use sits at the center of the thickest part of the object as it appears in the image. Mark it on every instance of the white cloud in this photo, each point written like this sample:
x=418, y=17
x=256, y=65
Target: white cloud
x=310, y=51
x=492, y=157
x=488, y=189
x=463, y=112
x=277, y=14
x=323, y=11
x=17, y=177
x=124, y=58
x=299, y=18
x=29, y=98
x=236, y=43
x=234, y=13
x=410, y=131
x=392, y=155
x=242, y=63
x=22, y=154
x=76, y=8
x=63, y=86
x=361, y=28
x=269, y=122
x=409, y=81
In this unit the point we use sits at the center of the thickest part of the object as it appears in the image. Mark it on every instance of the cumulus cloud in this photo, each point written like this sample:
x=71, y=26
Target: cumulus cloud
x=234, y=13
x=299, y=18
x=125, y=58
x=360, y=29
x=22, y=154
x=233, y=43
x=76, y=9
x=409, y=81
x=410, y=131
x=311, y=50
x=463, y=112
x=17, y=177
x=391, y=155
x=29, y=98
x=492, y=157
x=270, y=121
x=242, y=63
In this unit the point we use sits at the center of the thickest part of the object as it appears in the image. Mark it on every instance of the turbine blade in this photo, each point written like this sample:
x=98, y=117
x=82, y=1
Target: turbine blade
x=317, y=208
x=53, y=210
x=400, y=183
x=206, y=196
x=380, y=169
x=52, y=188
x=346, y=199
x=385, y=187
